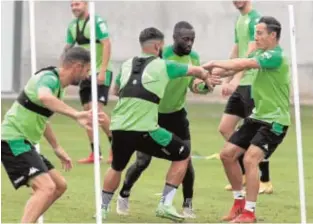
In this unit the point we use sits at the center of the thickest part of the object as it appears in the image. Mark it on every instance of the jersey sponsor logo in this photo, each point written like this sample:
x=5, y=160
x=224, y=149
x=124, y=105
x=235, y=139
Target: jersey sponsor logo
x=103, y=27
x=99, y=20
x=32, y=171
x=19, y=180
x=266, y=55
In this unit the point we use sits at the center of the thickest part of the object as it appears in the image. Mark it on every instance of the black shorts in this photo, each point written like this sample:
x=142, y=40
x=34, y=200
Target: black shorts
x=25, y=166
x=240, y=103
x=85, y=91
x=125, y=143
x=264, y=135
x=176, y=123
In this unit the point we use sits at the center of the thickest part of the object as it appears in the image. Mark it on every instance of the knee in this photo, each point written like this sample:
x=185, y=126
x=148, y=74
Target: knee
x=48, y=188
x=61, y=187
x=227, y=155
x=250, y=161
x=143, y=163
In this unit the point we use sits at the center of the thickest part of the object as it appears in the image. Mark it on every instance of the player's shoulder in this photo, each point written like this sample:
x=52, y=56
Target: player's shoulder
x=194, y=55
x=254, y=15
x=72, y=22
x=127, y=62
x=277, y=52
x=167, y=52
x=47, y=77
x=99, y=19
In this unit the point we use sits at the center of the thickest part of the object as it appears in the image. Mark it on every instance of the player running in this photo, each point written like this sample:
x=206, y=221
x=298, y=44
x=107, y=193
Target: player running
x=78, y=32
x=134, y=126
x=27, y=121
x=172, y=116
x=266, y=127
x=240, y=103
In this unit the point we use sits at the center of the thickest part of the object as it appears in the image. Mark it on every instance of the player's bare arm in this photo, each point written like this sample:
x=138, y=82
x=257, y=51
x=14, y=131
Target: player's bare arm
x=219, y=71
x=50, y=137
x=54, y=104
x=209, y=80
x=58, y=150
x=237, y=64
x=106, y=45
x=116, y=90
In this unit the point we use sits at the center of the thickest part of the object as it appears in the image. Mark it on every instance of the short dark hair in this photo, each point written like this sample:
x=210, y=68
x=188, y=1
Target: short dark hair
x=272, y=25
x=150, y=33
x=76, y=54
x=182, y=25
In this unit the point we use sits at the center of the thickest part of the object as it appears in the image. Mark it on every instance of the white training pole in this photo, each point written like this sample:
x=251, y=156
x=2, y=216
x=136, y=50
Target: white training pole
x=31, y=7
x=95, y=111
x=297, y=112
x=33, y=56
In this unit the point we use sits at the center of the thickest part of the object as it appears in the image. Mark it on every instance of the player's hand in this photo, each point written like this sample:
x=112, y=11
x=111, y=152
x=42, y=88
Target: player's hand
x=208, y=66
x=228, y=89
x=101, y=77
x=218, y=71
x=84, y=118
x=213, y=80
x=64, y=157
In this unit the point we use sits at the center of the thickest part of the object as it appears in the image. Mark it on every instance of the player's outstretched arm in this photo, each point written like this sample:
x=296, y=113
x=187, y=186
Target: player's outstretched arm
x=50, y=136
x=54, y=104
x=117, y=84
x=59, y=151
x=237, y=64
x=102, y=34
x=209, y=80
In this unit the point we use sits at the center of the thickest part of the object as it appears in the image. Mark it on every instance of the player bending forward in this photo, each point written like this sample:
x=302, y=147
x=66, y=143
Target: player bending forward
x=27, y=121
x=134, y=122
x=266, y=127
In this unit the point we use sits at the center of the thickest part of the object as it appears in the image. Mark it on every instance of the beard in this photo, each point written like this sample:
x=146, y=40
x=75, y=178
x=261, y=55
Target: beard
x=161, y=53
x=181, y=50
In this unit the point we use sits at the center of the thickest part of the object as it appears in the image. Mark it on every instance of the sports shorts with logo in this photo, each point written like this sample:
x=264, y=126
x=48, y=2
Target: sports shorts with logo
x=22, y=162
x=125, y=143
x=103, y=90
x=264, y=135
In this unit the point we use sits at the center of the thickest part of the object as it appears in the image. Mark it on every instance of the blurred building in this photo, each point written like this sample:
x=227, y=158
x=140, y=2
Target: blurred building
x=213, y=21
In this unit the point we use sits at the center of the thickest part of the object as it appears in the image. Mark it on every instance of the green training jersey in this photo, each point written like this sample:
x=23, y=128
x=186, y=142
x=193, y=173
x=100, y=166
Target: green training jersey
x=133, y=114
x=20, y=123
x=102, y=33
x=271, y=87
x=176, y=90
x=244, y=34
